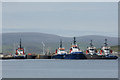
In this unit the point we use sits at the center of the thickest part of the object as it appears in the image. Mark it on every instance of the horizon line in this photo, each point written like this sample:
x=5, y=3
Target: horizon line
x=60, y=35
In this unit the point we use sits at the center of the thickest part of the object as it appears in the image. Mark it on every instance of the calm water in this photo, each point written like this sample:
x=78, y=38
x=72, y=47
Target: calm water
x=60, y=68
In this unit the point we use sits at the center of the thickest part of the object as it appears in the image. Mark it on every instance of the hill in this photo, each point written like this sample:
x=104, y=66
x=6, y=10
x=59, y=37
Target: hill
x=32, y=42
x=116, y=48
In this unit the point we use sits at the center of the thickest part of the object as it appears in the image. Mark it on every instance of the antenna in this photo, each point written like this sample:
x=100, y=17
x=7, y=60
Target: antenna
x=105, y=42
x=60, y=43
x=78, y=46
x=74, y=41
x=20, y=43
x=91, y=44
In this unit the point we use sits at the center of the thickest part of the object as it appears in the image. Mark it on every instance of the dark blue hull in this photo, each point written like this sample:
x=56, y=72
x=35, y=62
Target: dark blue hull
x=82, y=56
x=75, y=56
x=57, y=57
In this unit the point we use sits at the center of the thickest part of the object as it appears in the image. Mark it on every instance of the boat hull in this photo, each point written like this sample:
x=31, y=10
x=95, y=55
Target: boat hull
x=75, y=56
x=20, y=57
x=31, y=56
x=109, y=57
x=82, y=56
x=93, y=56
x=100, y=57
x=57, y=57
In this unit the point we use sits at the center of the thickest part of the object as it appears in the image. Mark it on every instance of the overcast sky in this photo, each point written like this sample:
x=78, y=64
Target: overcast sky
x=64, y=19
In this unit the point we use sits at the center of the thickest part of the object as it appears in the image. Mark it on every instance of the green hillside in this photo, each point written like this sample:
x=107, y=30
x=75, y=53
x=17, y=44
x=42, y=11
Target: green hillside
x=116, y=48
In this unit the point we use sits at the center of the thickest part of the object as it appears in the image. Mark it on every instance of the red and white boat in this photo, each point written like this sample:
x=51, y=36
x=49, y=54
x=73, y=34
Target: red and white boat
x=91, y=50
x=20, y=53
x=105, y=50
x=60, y=52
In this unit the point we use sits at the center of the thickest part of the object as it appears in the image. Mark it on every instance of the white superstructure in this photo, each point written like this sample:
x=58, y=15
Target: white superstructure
x=91, y=50
x=74, y=48
x=105, y=50
x=60, y=50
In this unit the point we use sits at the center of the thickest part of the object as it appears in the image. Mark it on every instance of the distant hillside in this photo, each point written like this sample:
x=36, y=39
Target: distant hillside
x=116, y=48
x=32, y=41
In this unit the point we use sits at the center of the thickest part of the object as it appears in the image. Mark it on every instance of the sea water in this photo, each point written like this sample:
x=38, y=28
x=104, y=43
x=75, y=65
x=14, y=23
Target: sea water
x=51, y=68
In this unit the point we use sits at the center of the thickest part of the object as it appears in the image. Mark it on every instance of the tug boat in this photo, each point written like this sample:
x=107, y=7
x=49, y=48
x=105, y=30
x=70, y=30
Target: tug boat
x=75, y=52
x=60, y=52
x=106, y=52
x=91, y=52
x=20, y=53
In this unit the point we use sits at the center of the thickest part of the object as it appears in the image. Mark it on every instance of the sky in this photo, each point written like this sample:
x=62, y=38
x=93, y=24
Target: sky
x=66, y=19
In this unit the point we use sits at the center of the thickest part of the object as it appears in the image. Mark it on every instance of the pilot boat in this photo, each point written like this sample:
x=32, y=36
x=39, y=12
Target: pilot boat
x=75, y=52
x=60, y=52
x=106, y=52
x=91, y=52
x=20, y=53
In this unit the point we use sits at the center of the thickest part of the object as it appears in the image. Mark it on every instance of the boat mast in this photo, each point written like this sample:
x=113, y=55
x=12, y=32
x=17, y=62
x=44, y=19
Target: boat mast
x=60, y=43
x=20, y=43
x=74, y=42
x=106, y=44
x=91, y=44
